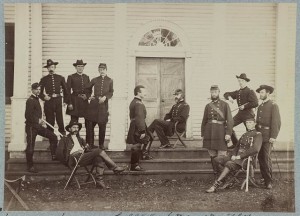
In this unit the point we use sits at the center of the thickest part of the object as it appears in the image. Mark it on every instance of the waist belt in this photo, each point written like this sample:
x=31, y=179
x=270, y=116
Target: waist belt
x=216, y=122
x=55, y=95
x=263, y=127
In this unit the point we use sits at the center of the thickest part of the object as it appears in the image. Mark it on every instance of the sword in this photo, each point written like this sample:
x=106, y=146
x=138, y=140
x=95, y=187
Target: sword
x=276, y=160
x=52, y=127
x=239, y=107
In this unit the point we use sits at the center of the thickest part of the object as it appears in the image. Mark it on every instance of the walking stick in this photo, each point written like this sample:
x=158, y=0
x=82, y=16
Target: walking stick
x=276, y=159
x=51, y=127
x=247, y=175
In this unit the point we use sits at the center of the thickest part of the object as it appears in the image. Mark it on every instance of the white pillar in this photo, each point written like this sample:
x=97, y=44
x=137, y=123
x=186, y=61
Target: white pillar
x=189, y=92
x=284, y=79
x=20, y=77
x=118, y=103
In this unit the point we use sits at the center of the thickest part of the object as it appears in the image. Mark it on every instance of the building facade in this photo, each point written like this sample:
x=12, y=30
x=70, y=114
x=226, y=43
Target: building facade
x=161, y=46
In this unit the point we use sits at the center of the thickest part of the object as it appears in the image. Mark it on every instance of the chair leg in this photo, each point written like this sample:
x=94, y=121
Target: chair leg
x=78, y=184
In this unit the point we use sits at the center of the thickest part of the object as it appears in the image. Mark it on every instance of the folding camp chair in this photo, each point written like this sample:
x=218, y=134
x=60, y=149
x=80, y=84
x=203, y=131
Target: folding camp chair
x=74, y=175
x=179, y=136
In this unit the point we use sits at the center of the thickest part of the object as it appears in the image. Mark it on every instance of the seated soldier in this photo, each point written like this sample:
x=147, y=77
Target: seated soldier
x=248, y=145
x=178, y=113
x=73, y=145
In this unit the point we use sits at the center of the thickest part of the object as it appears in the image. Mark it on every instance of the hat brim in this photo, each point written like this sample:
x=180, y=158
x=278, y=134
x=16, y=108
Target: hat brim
x=247, y=79
x=74, y=64
x=269, y=88
x=71, y=125
x=54, y=63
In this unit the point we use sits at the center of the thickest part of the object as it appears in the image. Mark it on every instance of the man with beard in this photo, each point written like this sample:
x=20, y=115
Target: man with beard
x=138, y=135
x=248, y=145
x=178, y=113
x=78, y=98
x=72, y=146
x=52, y=84
x=97, y=109
x=33, y=116
x=246, y=100
x=268, y=123
x=216, y=127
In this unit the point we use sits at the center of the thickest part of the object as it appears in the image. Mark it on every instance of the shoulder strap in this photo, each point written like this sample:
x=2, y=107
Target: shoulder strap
x=217, y=110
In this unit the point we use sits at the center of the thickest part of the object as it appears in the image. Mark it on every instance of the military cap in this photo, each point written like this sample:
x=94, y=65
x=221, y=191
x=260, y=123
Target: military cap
x=243, y=76
x=214, y=87
x=102, y=65
x=268, y=88
x=250, y=119
x=50, y=62
x=35, y=85
x=178, y=91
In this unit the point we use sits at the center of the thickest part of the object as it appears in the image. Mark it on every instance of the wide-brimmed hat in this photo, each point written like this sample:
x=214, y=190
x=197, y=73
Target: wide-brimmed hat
x=79, y=62
x=50, y=62
x=72, y=123
x=178, y=91
x=268, y=88
x=243, y=76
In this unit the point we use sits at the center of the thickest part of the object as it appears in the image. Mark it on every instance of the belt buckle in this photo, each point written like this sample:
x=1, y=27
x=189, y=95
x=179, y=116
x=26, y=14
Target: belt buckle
x=214, y=121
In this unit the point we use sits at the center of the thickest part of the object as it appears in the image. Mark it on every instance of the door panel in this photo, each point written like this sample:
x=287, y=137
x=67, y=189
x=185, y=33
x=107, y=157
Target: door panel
x=160, y=76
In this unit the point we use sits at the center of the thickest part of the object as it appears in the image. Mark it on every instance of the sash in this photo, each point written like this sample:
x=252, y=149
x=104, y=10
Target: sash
x=217, y=110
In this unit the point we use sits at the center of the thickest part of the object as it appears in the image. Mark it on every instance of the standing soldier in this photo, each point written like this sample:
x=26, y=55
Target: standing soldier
x=52, y=84
x=178, y=113
x=246, y=100
x=138, y=134
x=78, y=98
x=216, y=127
x=33, y=116
x=97, y=110
x=268, y=123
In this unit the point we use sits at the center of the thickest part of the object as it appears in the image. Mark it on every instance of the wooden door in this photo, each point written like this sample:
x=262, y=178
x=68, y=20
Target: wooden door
x=160, y=76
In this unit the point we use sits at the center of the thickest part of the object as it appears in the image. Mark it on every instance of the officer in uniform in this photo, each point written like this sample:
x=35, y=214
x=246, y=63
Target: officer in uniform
x=78, y=98
x=52, y=84
x=246, y=100
x=178, y=113
x=216, y=127
x=138, y=135
x=33, y=116
x=268, y=123
x=248, y=145
x=97, y=109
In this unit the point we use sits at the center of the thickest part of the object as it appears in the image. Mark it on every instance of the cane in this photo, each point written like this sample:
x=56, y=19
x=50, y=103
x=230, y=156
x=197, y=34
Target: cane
x=52, y=127
x=276, y=159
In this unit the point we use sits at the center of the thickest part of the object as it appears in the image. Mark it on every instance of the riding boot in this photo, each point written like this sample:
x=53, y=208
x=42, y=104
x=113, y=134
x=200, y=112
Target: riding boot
x=99, y=178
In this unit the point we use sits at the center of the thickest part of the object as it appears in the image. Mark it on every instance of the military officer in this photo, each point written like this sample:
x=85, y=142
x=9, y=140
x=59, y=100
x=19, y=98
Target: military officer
x=52, y=84
x=248, y=145
x=268, y=123
x=97, y=109
x=78, y=99
x=246, y=100
x=216, y=127
x=138, y=135
x=33, y=116
x=178, y=113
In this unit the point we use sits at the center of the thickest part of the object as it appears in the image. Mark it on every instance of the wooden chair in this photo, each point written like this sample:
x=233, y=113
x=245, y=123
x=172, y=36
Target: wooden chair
x=74, y=175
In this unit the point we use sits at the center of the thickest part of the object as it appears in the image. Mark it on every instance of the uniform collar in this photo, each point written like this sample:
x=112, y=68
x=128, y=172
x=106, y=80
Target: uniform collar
x=79, y=74
x=265, y=101
x=244, y=88
x=182, y=100
x=138, y=98
x=35, y=96
x=215, y=101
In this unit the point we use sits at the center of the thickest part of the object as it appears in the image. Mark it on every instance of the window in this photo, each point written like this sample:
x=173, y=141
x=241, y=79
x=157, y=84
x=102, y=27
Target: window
x=160, y=37
x=9, y=60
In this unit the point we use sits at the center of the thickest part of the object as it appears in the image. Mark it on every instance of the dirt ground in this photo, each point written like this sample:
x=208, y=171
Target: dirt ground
x=156, y=195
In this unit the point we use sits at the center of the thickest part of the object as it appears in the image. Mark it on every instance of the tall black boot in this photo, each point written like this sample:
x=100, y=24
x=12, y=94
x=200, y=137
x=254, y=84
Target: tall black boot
x=99, y=178
x=215, y=167
x=136, y=154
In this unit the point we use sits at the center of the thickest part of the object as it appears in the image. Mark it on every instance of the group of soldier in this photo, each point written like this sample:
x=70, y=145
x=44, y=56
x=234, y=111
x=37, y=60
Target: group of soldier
x=88, y=99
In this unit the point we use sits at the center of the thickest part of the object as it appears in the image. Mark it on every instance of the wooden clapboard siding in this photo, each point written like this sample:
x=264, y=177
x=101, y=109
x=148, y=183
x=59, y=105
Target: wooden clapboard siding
x=7, y=123
x=78, y=31
x=9, y=13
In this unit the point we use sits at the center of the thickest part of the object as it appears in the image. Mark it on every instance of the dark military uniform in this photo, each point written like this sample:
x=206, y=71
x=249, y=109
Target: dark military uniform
x=248, y=145
x=33, y=113
x=178, y=113
x=137, y=114
x=77, y=82
x=268, y=123
x=245, y=95
x=98, y=113
x=216, y=124
x=52, y=84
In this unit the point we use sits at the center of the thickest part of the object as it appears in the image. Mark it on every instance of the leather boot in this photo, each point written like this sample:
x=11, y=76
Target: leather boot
x=214, y=187
x=99, y=178
x=215, y=168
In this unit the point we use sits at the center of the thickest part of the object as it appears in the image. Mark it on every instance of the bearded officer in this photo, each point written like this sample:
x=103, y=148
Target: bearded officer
x=268, y=123
x=246, y=100
x=178, y=113
x=216, y=127
x=138, y=135
x=97, y=109
x=76, y=87
x=248, y=145
x=52, y=84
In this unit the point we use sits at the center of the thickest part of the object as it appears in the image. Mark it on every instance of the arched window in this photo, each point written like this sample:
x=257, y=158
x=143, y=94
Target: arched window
x=160, y=37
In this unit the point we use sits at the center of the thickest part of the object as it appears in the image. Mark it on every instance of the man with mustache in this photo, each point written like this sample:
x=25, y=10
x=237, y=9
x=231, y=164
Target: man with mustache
x=178, y=113
x=52, y=84
x=72, y=146
x=216, y=127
